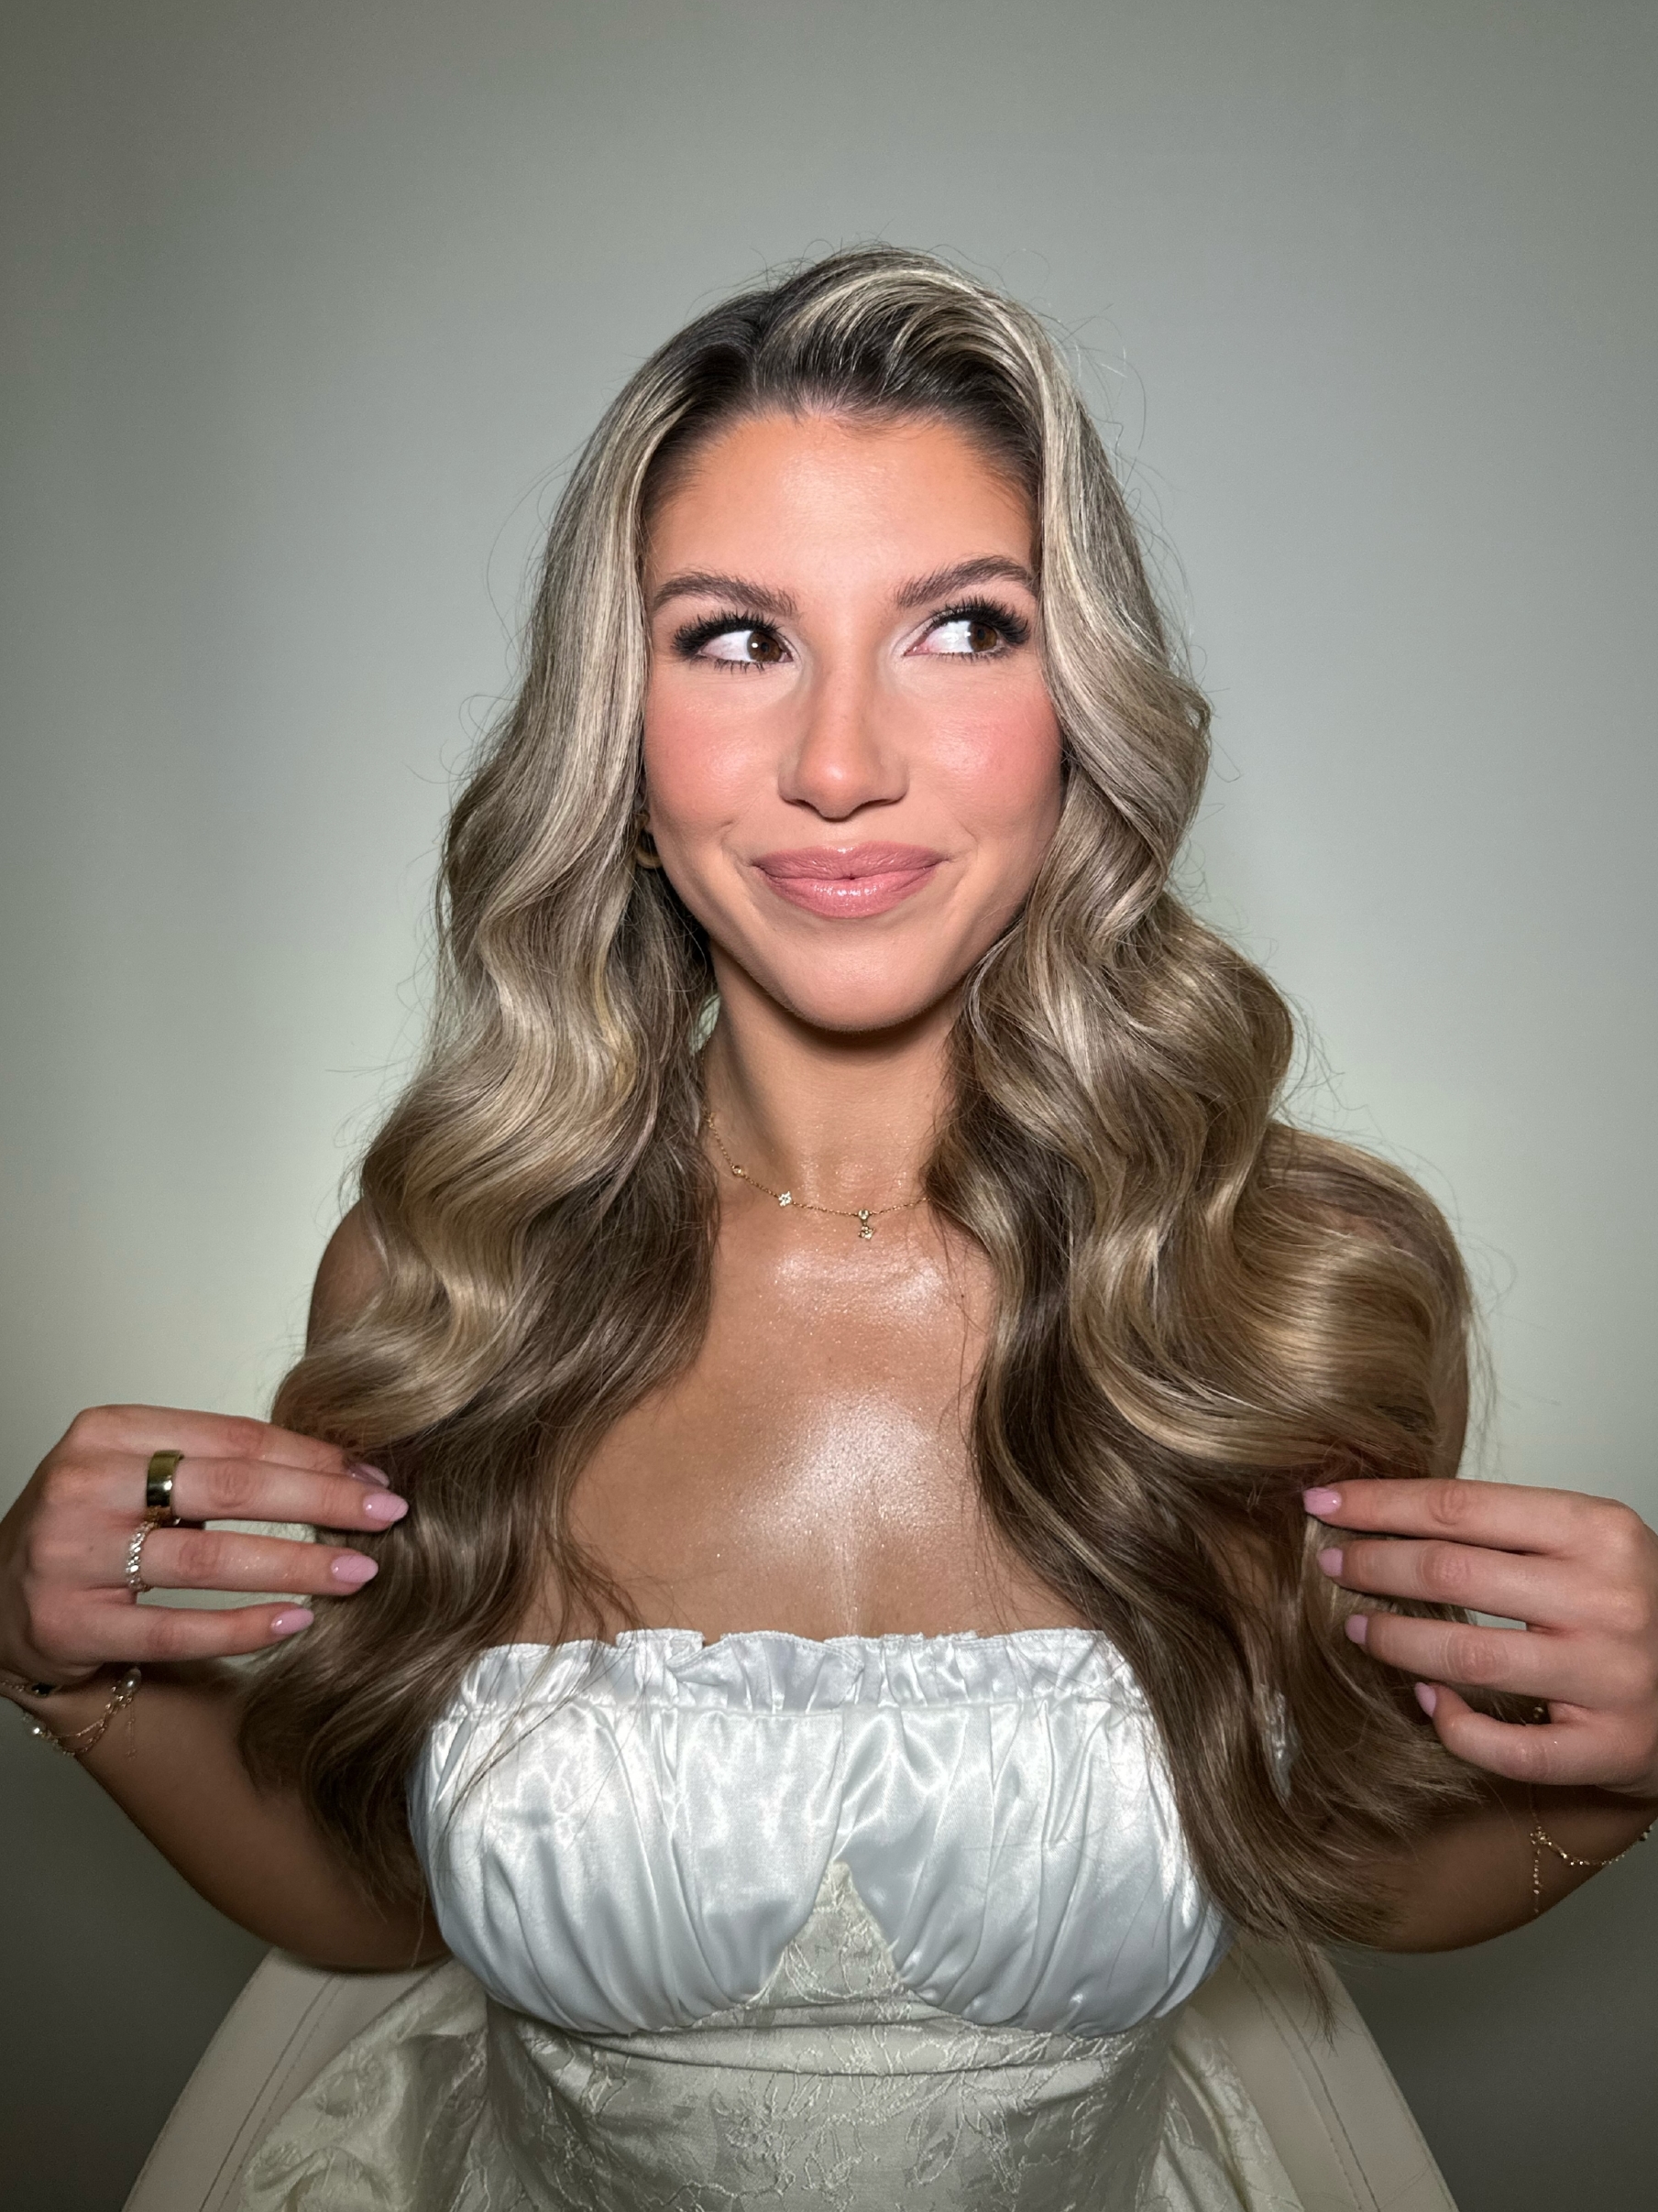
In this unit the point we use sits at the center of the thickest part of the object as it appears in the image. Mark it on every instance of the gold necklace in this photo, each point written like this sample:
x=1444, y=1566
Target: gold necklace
x=865, y=1216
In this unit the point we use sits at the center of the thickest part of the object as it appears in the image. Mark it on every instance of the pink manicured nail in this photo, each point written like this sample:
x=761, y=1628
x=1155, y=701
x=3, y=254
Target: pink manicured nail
x=1330, y=1560
x=354, y=1569
x=1358, y=1626
x=1427, y=1697
x=384, y=1509
x=1322, y=1504
x=291, y=1620
x=361, y=1470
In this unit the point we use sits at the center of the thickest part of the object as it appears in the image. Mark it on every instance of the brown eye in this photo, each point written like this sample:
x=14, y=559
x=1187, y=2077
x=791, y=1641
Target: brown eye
x=971, y=637
x=733, y=645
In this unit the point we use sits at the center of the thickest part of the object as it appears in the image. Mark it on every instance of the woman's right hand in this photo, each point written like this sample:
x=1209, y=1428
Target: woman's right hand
x=65, y=1607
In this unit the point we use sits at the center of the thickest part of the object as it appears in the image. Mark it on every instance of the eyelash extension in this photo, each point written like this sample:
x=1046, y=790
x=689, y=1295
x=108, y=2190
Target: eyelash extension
x=689, y=640
x=1014, y=628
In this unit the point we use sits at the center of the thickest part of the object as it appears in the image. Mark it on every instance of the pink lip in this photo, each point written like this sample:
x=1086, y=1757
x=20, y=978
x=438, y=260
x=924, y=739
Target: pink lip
x=851, y=879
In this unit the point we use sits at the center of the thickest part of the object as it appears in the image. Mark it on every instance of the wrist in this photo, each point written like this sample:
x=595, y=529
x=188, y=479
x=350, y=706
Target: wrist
x=63, y=1720
x=46, y=1691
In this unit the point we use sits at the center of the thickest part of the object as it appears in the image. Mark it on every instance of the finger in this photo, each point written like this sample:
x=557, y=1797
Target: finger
x=235, y=1490
x=1584, y=1670
x=213, y=1559
x=1559, y=1755
x=127, y=1636
x=1525, y=1586
x=144, y=1429
x=1512, y=1516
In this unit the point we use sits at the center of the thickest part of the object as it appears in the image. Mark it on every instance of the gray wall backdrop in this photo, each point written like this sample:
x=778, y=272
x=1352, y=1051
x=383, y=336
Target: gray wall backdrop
x=305, y=307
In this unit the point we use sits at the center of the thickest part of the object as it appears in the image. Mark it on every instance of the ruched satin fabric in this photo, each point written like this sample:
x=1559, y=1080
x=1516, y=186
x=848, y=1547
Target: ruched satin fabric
x=624, y=1838
x=777, y=1926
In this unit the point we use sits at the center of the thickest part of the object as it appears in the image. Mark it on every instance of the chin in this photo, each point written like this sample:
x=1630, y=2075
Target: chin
x=858, y=1003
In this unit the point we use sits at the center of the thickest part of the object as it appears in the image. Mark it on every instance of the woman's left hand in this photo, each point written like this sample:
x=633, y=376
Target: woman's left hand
x=1580, y=1573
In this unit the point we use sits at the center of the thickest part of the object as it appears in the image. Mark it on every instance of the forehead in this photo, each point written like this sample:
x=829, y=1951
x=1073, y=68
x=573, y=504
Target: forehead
x=804, y=491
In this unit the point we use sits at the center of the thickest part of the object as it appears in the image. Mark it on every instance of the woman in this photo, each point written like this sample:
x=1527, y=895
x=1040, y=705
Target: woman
x=870, y=1568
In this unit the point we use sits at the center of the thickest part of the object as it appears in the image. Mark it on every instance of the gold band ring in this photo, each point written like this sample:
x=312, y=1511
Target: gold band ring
x=135, y=1558
x=158, y=1489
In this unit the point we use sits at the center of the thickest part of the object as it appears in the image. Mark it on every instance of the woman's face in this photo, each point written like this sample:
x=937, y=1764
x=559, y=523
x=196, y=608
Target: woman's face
x=852, y=766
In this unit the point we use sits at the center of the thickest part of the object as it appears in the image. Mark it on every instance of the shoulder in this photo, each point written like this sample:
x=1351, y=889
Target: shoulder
x=349, y=1274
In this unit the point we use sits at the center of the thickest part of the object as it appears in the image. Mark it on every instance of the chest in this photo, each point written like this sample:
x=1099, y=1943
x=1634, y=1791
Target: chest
x=811, y=1470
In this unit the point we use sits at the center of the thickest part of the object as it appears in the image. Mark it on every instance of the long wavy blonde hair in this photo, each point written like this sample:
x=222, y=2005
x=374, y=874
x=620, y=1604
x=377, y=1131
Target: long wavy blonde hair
x=1199, y=1308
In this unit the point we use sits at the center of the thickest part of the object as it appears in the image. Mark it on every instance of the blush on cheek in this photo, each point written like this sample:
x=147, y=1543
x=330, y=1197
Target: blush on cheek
x=695, y=775
x=1006, y=772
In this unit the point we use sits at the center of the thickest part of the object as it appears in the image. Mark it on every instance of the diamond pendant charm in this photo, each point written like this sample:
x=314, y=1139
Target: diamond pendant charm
x=863, y=1222
x=785, y=1197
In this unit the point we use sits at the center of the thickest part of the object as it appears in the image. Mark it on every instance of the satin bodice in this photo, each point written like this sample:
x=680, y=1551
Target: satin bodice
x=626, y=1838
x=767, y=1926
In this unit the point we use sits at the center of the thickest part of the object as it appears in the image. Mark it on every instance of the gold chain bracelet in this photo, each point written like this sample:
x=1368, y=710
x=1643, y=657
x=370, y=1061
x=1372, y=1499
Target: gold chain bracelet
x=83, y=1740
x=1542, y=1840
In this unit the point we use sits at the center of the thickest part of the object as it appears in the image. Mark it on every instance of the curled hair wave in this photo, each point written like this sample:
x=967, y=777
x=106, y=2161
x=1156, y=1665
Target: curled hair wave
x=1199, y=1308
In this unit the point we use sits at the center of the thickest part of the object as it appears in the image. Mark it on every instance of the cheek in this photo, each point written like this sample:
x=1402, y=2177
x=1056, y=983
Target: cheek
x=698, y=761
x=1003, y=769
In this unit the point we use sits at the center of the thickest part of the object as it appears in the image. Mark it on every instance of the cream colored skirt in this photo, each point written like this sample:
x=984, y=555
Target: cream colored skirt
x=834, y=2090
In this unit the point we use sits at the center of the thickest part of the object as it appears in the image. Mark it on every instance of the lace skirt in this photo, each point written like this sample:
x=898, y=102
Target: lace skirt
x=835, y=2090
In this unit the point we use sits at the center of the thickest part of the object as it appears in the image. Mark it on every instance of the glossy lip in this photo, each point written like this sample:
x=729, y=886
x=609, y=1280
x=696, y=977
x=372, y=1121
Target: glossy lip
x=851, y=879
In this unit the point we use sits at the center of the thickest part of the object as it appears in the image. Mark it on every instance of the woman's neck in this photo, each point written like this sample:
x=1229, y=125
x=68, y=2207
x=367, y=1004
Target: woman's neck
x=848, y=1118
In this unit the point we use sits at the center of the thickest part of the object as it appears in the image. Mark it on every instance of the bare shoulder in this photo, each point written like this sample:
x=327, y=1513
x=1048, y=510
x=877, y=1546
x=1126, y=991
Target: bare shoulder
x=347, y=1277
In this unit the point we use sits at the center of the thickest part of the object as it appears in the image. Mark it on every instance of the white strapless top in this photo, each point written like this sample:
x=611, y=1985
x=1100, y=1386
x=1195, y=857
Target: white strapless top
x=628, y=1838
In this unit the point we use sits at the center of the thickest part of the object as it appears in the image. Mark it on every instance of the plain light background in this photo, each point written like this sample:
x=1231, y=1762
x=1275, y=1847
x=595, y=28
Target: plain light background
x=306, y=307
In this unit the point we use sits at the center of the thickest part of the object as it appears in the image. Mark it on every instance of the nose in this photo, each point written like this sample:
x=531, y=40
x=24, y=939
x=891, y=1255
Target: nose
x=845, y=754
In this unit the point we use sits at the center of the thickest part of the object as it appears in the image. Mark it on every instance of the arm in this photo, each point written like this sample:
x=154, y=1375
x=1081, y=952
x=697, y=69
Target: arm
x=1580, y=1574
x=1471, y=1877
x=170, y=1760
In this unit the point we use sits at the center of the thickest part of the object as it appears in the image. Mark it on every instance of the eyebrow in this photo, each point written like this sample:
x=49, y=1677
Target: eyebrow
x=990, y=568
x=699, y=584
x=762, y=599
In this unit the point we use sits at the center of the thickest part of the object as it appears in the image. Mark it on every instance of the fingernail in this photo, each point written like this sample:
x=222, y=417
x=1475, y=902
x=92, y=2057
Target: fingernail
x=354, y=1569
x=1358, y=1626
x=386, y=1509
x=291, y=1620
x=1330, y=1560
x=365, y=1473
x=1322, y=1504
x=1427, y=1697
